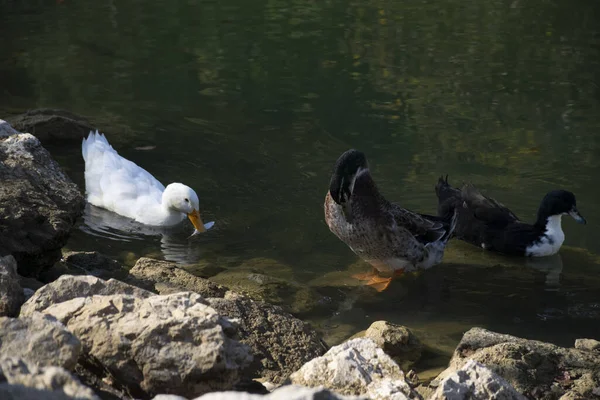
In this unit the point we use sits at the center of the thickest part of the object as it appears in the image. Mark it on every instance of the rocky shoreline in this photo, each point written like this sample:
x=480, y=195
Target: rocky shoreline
x=78, y=325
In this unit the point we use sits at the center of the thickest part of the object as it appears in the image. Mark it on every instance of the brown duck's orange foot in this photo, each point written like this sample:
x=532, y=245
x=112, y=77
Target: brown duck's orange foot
x=379, y=283
x=366, y=276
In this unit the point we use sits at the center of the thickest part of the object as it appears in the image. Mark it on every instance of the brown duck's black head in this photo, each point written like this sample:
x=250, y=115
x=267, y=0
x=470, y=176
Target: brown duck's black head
x=559, y=202
x=346, y=168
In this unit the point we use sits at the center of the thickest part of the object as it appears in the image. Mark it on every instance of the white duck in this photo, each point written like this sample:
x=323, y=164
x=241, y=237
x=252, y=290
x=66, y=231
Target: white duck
x=119, y=185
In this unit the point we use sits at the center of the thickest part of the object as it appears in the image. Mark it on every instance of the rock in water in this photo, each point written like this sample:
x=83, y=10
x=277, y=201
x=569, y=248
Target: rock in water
x=51, y=125
x=174, y=343
x=11, y=293
x=38, y=204
x=397, y=341
x=357, y=367
x=475, y=381
x=6, y=130
x=168, y=278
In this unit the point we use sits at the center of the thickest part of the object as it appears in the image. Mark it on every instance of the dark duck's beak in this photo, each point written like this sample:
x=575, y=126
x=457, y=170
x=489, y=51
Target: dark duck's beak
x=576, y=216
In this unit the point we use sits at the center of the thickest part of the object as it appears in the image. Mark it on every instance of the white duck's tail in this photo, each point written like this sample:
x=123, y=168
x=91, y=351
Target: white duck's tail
x=91, y=140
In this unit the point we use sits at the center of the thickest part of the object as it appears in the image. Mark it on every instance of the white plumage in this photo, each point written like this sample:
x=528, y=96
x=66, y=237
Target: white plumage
x=119, y=185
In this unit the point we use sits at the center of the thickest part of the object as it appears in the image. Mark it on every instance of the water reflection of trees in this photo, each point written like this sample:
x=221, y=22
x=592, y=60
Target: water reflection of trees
x=454, y=81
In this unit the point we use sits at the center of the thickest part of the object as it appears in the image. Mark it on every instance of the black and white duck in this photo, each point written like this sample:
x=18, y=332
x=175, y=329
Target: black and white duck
x=484, y=222
x=390, y=238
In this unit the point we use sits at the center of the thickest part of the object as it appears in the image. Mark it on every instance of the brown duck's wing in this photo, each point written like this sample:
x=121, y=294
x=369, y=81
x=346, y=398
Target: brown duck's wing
x=424, y=228
x=486, y=209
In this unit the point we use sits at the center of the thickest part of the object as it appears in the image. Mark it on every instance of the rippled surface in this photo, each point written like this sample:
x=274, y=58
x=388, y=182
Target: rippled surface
x=251, y=102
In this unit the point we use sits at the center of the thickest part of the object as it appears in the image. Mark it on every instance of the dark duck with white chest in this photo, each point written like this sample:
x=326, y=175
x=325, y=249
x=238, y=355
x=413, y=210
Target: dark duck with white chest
x=484, y=222
x=387, y=236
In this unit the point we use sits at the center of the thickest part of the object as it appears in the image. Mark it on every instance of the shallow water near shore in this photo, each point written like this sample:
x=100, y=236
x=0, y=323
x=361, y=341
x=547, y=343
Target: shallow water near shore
x=251, y=102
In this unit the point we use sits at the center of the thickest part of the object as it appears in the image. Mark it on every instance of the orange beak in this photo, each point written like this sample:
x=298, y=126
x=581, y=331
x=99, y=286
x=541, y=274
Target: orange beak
x=194, y=216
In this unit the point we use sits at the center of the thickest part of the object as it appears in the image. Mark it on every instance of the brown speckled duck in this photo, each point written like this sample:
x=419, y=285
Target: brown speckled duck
x=390, y=238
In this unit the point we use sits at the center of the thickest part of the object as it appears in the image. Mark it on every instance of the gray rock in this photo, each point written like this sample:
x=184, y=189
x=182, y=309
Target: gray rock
x=69, y=287
x=6, y=130
x=46, y=379
x=40, y=340
x=168, y=278
x=85, y=263
x=174, y=343
x=51, y=125
x=535, y=369
x=280, y=342
x=38, y=204
x=11, y=293
x=290, y=392
x=475, y=381
x=397, y=341
x=587, y=344
x=357, y=367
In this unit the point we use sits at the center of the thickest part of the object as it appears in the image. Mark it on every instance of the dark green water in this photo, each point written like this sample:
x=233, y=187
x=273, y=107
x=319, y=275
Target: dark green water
x=250, y=102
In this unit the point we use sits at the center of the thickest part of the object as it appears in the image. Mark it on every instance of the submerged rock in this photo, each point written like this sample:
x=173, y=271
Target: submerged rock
x=536, y=369
x=397, y=341
x=69, y=287
x=11, y=293
x=50, y=124
x=293, y=297
x=280, y=342
x=85, y=263
x=174, y=343
x=39, y=204
x=357, y=367
x=168, y=278
x=40, y=340
x=475, y=381
x=41, y=382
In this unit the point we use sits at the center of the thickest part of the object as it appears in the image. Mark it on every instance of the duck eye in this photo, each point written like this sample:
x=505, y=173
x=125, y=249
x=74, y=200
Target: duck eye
x=187, y=200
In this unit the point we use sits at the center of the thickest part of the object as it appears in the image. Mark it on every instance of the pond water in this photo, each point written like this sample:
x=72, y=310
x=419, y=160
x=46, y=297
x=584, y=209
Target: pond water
x=251, y=102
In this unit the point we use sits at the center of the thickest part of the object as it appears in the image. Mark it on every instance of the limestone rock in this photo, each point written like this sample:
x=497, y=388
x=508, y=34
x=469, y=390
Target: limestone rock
x=56, y=380
x=174, y=343
x=168, y=397
x=168, y=278
x=289, y=392
x=19, y=392
x=280, y=342
x=587, y=344
x=396, y=341
x=39, y=204
x=535, y=369
x=69, y=287
x=357, y=367
x=51, y=125
x=475, y=381
x=40, y=340
x=11, y=293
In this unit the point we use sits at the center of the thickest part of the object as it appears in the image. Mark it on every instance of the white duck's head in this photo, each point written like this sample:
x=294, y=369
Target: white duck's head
x=184, y=199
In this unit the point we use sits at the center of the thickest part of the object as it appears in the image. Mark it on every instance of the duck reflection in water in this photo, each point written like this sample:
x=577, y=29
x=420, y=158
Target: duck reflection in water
x=175, y=244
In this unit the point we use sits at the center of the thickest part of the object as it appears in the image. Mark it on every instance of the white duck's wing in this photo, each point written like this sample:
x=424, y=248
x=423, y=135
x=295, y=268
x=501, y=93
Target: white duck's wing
x=115, y=183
